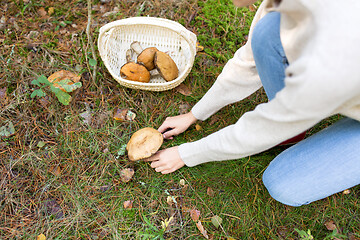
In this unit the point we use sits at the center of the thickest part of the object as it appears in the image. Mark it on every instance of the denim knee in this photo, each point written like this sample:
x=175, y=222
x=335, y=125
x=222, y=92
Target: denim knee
x=283, y=189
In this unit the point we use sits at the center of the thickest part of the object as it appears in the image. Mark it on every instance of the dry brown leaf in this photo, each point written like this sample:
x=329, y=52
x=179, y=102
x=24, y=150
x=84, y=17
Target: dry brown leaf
x=183, y=89
x=41, y=237
x=184, y=108
x=124, y=115
x=128, y=204
x=3, y=97
x=330, y=225
x=202, y=229
x=120, y=114
x=42, y=12
x=198, y=127
x=63, y=75
x=126, y=174
x=194, y=214
x=56, y=171
x=210, y=192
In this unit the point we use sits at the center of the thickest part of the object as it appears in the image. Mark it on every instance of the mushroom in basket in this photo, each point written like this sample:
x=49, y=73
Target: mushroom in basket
x=147, y=60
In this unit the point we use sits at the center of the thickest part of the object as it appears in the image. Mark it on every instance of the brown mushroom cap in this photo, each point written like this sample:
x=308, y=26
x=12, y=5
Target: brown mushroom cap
x=144, y=143
x=135, y=72
x=146, y=58
x=166, y=66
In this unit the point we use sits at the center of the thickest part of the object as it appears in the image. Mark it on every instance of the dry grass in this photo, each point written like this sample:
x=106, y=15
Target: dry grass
x=69, y=186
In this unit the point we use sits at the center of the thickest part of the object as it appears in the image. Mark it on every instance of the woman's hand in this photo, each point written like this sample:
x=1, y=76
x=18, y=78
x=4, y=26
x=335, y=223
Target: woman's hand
x=166, y=161
x=173, y=126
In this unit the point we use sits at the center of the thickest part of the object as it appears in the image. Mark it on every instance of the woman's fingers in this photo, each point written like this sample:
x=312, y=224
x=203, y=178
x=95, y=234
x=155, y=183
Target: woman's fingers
x=152, y=158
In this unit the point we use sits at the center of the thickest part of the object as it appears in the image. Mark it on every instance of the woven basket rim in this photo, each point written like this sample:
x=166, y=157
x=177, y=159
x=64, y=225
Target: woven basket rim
x=187, y=35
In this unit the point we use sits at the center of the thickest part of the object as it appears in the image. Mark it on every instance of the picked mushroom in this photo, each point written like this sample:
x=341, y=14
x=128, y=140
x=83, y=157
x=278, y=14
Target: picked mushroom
x=135, y=72
x=166, y=66
x=146, y=57
x=144, y=143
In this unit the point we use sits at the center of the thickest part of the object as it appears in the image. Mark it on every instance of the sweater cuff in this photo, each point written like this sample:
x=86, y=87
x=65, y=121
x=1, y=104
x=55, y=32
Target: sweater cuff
x=189, y=157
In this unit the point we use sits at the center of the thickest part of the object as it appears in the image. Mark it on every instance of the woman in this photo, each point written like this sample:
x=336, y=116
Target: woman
x=306, y=55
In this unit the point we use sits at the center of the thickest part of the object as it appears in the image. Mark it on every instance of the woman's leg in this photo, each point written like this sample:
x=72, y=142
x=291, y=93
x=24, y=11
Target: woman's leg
x=269, y=54
x=324, y=164
x=321, y=165
x=270, y=59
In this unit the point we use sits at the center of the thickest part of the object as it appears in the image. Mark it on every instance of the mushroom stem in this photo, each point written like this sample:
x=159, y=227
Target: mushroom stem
x=136, y=47
x=129, y=54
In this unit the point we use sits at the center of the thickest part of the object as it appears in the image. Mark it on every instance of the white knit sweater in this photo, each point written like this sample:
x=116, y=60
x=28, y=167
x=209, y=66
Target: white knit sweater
x=322, y=43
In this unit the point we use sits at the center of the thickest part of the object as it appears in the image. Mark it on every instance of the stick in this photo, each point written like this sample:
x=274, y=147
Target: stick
x=88, y=33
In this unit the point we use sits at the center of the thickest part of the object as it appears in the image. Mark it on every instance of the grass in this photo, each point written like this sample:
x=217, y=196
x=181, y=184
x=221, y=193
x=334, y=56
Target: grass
x=61, y=176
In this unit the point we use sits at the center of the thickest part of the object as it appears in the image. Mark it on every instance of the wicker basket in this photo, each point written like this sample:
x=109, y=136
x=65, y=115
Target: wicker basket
x=166, y=35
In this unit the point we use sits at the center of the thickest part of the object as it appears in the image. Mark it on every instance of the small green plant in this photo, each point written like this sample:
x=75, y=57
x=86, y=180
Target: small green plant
x=335, y=235
x=63, y=97
x=152, y=232
x=304, y=235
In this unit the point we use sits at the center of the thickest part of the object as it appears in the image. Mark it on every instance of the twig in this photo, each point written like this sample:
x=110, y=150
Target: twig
x=88, y=33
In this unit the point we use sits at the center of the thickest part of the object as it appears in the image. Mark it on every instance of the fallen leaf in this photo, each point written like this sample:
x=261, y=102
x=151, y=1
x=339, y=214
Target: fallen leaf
x=41, y=237
x=87, y=116
x=65, y=80
x=199, y=48
x=51, y=11
x=56, y=171
x=194, y=214
x=216, y=221
x=130, y=115
x=184, y=108
x=346, y=192
x=167, y=222
x=182, y=182
x=210, y=192
x=230, y=238
x=53, y=208
x=171, y=200
x=126, y=174
x=330, y=225
x=198, y=127
x=7, y=130
x=128, y=204
x=183, y=89
x=202, y=229
x=41, y=144
x=3, y=96
x=120, y=114
x=42, y=12
x=124, y=115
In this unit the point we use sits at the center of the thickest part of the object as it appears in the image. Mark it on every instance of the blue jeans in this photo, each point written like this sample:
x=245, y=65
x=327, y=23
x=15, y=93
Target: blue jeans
x=327, y=162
